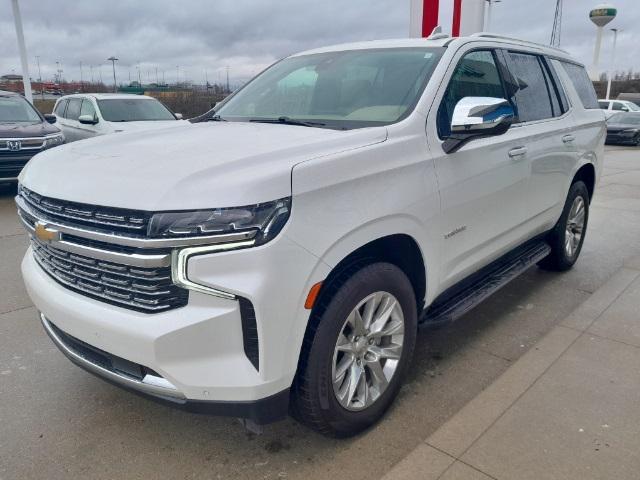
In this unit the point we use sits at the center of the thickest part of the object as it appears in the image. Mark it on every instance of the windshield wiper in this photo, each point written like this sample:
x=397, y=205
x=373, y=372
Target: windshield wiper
x=216, y=118
x=288, y=121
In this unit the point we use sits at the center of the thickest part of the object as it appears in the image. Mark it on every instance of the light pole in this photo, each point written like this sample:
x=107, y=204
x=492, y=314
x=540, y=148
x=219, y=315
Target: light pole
x=113, y=61
x=40, y=77
x=26, y=81
x=81, y=80
x=612, y=68
x=487, y=25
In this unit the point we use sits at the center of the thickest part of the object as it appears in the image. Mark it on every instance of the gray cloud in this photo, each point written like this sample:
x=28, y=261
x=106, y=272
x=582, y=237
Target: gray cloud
x=248, y=35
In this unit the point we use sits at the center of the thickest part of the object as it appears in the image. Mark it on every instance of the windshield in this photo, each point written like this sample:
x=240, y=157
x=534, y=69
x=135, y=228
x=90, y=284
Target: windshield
x=625, y=118
x=15, y=109
x=133, y=110
x=347, y=89
x=632, y=106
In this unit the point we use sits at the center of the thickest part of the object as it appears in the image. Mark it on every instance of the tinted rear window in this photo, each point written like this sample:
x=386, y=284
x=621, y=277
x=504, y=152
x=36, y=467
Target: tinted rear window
x=533, y=98
x=59, y=110
x=582, y=84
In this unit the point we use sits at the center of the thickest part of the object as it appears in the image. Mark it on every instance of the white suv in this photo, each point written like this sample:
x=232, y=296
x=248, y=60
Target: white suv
x=279, y=257
x=611, y=107
x=87, y=115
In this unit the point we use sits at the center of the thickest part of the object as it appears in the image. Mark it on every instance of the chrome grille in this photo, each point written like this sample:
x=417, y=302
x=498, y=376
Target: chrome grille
x=35, y=143
x=105, y=219
x=143, y=289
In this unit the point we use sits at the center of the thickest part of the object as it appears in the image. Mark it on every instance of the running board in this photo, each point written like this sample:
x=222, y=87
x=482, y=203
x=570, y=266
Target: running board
x=461, y=298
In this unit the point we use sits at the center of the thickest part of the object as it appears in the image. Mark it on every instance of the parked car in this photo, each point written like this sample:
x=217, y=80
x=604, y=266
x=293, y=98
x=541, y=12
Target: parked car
x=611, y=107
x=23, y=132
x=279, y=257
x=88, y=115
x=631, y=97
x=624, y=128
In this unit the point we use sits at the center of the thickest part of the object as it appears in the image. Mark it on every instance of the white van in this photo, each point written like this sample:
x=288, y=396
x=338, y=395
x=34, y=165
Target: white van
x=280, y=256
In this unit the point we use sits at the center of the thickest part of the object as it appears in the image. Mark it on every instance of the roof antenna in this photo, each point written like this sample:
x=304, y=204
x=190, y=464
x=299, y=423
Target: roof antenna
x=437, y=34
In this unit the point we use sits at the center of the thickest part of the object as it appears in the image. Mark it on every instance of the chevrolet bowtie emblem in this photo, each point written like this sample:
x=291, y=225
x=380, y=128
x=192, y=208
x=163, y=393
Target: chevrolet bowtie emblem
x=46, y=234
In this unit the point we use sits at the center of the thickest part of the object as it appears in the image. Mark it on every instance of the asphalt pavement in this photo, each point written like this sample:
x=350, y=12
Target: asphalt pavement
x=58, y=422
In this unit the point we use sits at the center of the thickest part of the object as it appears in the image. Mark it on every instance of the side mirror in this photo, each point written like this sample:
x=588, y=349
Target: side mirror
x=50, y=118
x=475, y=117
x=178, y=116
x=625, y=109
x=87, y=119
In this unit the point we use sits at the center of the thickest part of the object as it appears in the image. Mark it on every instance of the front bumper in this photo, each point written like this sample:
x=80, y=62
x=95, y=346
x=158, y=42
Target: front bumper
x=139, y=380
x=196, y=353
x=618, y=138
x=12, y=164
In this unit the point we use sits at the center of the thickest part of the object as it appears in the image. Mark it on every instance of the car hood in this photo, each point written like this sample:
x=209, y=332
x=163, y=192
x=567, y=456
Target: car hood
x=26, y=130
x=146, y=125
x=214, y=164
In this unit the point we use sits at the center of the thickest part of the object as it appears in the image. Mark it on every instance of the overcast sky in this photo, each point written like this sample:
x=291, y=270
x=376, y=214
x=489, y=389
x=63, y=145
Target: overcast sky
x=247, y=35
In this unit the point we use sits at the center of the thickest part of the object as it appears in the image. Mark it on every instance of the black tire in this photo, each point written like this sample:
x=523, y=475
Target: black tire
x=559, y=260
x=313, y=400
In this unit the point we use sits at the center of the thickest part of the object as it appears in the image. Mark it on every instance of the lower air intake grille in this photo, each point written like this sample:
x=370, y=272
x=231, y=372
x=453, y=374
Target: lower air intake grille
x=250, y=332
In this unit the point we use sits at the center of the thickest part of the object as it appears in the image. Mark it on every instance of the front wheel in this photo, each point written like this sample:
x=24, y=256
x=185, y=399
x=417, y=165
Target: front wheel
x=567, y=237
x=359, y=346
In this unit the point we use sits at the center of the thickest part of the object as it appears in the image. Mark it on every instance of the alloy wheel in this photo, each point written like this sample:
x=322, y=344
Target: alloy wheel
x=575, y=227
x=368, y=351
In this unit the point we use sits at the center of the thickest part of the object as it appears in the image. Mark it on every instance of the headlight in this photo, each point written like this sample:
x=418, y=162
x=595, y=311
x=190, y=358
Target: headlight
x=265, y=219
x=53, y=141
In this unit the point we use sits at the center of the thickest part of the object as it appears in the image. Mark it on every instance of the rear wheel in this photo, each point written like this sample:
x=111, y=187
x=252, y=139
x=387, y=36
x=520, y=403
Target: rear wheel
x=359, y=346
x=567, y=237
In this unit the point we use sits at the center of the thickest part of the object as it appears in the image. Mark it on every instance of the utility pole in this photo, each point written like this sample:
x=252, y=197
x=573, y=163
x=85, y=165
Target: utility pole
x=228, y=90
x=40, y=77
x=157, y=81
x=612, y=68
x=138, y=68
x=177, y=75
x=26, y=81
x=81, y=79
x=91, y=70
x=113, y=61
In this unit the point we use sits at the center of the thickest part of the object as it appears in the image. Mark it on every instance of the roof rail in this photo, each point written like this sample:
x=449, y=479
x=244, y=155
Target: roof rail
x=504, y=37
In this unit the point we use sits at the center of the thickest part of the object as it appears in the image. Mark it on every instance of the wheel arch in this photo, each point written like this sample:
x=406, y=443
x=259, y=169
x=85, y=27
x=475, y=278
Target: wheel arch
x=587, y=174
x=399, y=249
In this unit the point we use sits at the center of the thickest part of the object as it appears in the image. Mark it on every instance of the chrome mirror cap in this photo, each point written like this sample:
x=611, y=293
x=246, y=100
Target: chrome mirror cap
x=479, y=114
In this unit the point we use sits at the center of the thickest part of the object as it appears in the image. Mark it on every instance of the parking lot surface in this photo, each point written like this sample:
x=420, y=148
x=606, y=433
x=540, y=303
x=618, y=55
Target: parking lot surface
x=58, y=422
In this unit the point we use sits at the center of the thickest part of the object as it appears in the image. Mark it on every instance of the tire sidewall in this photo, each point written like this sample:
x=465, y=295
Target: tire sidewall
x=370, y=279
x=576, y=190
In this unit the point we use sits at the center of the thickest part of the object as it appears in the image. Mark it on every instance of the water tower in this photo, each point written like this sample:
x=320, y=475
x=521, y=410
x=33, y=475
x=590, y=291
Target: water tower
x=600, y=15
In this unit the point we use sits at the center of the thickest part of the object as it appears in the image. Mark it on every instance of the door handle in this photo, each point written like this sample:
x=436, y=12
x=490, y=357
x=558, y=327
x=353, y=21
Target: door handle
x=517, y=152
x=568, y=138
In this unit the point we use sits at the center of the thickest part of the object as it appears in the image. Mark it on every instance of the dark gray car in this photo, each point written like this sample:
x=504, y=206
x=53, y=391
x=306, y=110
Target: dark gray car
x=23, y=132
x=624, y=128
